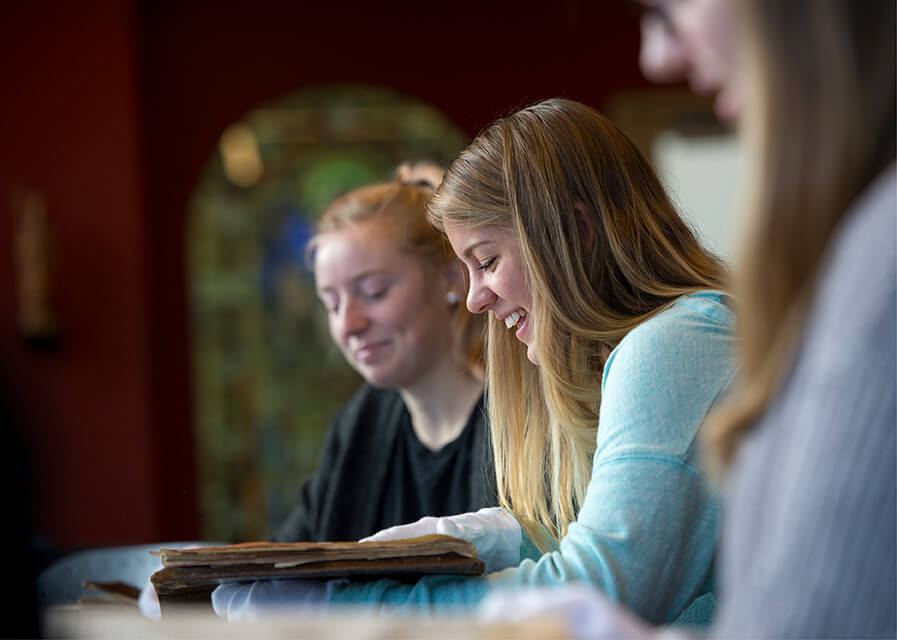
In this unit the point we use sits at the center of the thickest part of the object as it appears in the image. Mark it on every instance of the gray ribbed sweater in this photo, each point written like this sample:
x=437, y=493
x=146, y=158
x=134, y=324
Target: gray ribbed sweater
x=809, y=532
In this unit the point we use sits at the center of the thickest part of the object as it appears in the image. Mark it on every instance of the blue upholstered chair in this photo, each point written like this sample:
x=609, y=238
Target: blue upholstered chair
x=60, y=583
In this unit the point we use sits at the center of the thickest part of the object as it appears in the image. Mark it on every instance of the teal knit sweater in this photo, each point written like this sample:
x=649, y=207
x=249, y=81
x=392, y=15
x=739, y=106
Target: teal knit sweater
x=646, y=532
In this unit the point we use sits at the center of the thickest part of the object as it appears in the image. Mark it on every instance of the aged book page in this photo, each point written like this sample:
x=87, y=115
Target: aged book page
x=200, y=569
x=294, y=553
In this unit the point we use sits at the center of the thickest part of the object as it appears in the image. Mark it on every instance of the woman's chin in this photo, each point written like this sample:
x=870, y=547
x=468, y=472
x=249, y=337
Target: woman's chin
x=379, y=377
x=531, y=354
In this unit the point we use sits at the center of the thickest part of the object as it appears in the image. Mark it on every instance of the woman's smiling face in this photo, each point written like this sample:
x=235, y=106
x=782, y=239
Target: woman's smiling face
x=498, y=280
x=386, y=310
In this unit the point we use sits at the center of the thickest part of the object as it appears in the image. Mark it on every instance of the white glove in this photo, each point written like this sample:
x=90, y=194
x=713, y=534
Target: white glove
x=494, y=533
x=249, y=600
x=149, y=601
x=587, y=614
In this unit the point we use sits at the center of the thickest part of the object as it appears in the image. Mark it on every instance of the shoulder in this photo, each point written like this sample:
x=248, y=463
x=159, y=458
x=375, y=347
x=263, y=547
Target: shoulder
x=369, y=405
x=369, y=396
x=695, y=326
x=664, y=376
x=860, y=270
x=849, y=341
x=871, y=224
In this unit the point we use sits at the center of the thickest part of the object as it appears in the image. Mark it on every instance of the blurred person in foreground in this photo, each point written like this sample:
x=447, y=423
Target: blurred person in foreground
x=807, y=440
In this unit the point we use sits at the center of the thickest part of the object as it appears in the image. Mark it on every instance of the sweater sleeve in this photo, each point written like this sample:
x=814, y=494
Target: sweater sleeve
x=646, y=531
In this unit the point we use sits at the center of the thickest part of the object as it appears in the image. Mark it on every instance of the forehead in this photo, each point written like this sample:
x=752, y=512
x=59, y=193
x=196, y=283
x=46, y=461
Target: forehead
x=350, y=252
x=466, y=239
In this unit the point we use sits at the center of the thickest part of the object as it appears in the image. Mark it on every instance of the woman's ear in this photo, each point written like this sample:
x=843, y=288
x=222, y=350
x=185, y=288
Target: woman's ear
x=453, y=272
x=586, y=225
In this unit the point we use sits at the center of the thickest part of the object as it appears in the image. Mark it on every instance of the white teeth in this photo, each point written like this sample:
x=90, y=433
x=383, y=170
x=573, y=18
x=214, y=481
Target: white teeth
x=514, y=318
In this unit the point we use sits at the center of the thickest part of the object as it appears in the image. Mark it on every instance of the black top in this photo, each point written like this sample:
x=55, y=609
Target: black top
x=374, y=473
x=421, y=482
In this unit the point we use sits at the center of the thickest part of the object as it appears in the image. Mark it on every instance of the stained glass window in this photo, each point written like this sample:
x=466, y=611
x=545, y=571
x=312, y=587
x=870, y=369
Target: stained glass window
x=267, y=378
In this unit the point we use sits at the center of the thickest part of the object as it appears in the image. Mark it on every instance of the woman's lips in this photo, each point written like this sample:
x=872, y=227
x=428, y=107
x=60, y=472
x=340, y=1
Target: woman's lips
x=521, y=327
x=370, y=352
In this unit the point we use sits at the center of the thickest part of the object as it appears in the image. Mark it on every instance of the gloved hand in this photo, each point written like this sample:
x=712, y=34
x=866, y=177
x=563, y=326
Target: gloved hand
x=586, y=613
x=149, y=601
x=249, y=600
x=494, y=533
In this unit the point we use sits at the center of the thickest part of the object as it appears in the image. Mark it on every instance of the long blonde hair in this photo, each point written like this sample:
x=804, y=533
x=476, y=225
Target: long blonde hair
x=820, y=125
x=604, y=250
x=400, y=210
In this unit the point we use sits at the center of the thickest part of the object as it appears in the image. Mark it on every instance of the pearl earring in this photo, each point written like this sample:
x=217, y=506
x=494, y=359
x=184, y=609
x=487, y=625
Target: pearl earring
x=452, y=298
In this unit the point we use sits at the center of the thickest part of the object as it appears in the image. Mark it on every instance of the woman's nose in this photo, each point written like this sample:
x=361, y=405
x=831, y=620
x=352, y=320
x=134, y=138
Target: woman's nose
x=354, y=319
x=479, y=298
x=662, y=57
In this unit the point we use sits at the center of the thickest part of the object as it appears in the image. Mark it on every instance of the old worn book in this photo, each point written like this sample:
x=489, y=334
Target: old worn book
x=113, y=591
x=200, y=569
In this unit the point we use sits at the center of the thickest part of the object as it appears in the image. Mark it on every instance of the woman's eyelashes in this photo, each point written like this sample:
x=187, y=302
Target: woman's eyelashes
x=332, y=303
x=370, y=289
x=374, y=296
x=373, y=290
x=487, y=263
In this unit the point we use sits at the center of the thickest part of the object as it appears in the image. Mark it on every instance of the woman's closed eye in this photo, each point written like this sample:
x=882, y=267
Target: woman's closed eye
x=374, y=296
x=373, y=289
x=487, y=263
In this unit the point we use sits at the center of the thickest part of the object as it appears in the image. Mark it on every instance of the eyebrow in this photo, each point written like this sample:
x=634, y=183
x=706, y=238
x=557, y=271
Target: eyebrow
x=358, y=278
x=468, y=252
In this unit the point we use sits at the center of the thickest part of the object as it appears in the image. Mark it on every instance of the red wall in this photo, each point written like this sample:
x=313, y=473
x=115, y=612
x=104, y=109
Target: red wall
x=112, y=113
x=70, y=129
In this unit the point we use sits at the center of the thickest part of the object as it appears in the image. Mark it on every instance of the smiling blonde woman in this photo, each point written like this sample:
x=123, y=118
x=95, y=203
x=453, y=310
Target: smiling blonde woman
x=608, y=341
